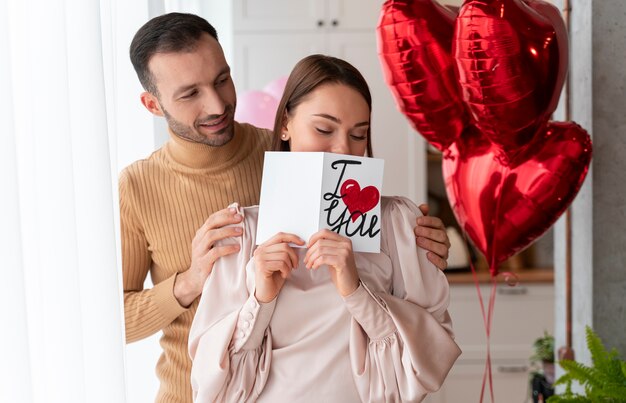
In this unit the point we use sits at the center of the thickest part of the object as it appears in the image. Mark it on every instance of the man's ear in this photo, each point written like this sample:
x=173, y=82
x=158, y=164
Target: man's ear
x=151, y=103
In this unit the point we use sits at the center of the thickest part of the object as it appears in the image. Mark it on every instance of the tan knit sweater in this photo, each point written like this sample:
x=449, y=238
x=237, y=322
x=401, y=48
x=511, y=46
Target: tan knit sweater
x=164, y=199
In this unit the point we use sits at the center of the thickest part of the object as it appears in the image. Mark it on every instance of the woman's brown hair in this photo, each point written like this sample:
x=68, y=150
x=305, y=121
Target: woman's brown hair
x=310, y=73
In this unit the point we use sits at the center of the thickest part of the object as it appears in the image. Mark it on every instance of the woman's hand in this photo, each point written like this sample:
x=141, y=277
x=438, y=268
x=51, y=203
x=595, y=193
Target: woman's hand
x=274, y=260
x=335, y=251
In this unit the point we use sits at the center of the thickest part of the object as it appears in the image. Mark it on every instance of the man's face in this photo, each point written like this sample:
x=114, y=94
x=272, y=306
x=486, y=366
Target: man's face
x=196, y=93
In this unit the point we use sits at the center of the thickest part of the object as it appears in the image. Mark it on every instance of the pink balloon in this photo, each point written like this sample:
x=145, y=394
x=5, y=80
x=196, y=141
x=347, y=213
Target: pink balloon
x=275, y=88
x=257, y=108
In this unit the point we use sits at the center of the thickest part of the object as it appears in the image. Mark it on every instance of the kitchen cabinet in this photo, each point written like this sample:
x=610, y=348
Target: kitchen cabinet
x=305, y=15
x=521, y=315
x=271, y=36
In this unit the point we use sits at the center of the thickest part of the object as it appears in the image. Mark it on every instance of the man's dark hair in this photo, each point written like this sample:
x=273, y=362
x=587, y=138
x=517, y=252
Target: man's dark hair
x=173, y=32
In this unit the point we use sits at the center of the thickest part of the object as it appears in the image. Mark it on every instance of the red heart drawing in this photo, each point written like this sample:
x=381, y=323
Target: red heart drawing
x=359, y=201
x=503, y=208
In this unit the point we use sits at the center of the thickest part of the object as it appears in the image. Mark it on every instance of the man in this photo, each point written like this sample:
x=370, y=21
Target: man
x=209, y=162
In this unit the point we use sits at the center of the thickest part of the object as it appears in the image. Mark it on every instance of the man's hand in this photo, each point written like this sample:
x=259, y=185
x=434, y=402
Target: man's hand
x=189, y=284
x=430, y=234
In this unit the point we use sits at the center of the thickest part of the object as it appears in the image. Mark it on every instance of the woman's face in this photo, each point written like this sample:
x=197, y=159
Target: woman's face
x=333, y=118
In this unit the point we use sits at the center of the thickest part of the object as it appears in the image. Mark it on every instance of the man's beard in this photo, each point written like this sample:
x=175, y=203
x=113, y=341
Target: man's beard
x=193, y=134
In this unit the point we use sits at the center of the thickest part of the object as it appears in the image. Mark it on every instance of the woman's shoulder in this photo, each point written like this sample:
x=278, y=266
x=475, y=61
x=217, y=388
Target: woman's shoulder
x=398, y=205
x=398, y=218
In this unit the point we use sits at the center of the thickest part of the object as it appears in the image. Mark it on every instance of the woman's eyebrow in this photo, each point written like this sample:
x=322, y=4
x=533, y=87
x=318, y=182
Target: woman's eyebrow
x=336, y=120
x=327, y=116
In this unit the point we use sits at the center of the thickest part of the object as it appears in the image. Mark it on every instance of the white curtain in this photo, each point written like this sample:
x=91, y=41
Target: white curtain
x=60, y=299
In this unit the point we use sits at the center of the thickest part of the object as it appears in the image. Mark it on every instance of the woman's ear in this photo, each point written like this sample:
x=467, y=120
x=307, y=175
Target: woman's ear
x=284, y=135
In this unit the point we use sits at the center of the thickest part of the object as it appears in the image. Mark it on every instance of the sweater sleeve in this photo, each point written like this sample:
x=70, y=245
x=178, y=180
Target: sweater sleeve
x=146, y=311
x=401, y=342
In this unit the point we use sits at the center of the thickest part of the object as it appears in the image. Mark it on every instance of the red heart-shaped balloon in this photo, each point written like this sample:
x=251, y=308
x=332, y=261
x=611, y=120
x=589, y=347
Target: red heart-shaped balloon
x=503, y=207
x=359, y=201
x=511, y=58
x=509, y=173
x=414, y=46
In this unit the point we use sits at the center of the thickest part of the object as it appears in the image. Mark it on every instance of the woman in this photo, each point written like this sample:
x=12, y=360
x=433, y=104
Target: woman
x=324, y=323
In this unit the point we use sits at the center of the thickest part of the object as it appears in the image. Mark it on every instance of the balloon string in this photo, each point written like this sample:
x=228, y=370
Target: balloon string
x=488, y=316
x=493, y=267
x=487, y=320
x=492, y=303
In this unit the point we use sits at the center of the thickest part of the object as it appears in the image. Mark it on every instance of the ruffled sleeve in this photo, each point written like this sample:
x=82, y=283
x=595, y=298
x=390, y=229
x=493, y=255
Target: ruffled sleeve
x=229, y=341
x=401, y=340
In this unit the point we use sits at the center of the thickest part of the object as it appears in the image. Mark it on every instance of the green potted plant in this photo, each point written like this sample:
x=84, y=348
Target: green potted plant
x=604, y=381
x=544, y=354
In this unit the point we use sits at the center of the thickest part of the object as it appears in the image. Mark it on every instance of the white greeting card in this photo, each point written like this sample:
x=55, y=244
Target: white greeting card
x=304, y=192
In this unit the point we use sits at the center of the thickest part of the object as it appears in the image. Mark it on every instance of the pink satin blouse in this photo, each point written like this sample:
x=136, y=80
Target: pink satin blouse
x=389, y=341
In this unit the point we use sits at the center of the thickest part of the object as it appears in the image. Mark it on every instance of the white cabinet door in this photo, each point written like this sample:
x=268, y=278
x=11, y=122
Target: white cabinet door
x=464, y=382
x=354, y=14
x=263, y=57
x=521, y=314
x=279, y=15
x=303, y=15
